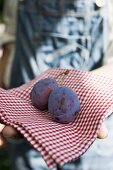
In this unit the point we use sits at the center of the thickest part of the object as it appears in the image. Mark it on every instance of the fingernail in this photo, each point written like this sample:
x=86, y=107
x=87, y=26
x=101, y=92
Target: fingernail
x=103, y=133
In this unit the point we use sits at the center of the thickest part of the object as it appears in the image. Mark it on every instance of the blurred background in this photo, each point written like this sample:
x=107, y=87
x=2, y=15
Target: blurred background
x=6, y=47
x=4, y=161
x=1, y=21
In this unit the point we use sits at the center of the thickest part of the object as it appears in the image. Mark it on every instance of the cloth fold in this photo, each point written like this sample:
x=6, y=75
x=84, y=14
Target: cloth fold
x=60, y=143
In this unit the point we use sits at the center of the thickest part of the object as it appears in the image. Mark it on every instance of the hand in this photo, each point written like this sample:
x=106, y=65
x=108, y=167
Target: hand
x=7, y=132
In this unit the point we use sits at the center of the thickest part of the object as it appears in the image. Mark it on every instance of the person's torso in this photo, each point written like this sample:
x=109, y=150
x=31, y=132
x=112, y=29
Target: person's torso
x=58, y=33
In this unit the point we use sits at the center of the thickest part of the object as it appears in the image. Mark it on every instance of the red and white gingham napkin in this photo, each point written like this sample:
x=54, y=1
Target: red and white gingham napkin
x=60, y=143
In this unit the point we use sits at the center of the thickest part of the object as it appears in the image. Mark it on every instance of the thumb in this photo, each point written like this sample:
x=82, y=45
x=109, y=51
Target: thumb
x=10, y=132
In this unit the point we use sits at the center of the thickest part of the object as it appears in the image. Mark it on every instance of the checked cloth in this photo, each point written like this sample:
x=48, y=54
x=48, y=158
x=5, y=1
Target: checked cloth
x=60, y=143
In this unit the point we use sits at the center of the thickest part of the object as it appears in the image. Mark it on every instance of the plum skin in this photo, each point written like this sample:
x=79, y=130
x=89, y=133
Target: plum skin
x=40, y=92
x=63, y=104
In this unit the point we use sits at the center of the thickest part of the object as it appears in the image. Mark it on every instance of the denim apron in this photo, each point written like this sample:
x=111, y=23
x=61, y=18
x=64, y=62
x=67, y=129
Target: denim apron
x=58, y=33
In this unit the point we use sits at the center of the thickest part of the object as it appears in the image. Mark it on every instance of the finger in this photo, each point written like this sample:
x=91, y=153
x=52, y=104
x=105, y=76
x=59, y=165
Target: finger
x=2, y=142
x=1, y=127
x=103, y=132
x=10, y=132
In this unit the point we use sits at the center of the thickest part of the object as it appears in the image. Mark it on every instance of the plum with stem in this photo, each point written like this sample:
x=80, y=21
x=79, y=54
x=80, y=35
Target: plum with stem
x=41, y=91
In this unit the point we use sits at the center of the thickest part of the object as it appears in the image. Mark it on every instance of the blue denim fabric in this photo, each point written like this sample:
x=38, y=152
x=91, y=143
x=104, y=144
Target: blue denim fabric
x=53, y=34
x=57, y=33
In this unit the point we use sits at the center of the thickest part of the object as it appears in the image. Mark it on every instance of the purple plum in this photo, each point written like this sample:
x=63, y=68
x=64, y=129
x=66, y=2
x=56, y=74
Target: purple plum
x=63, y=104
x=41, y=91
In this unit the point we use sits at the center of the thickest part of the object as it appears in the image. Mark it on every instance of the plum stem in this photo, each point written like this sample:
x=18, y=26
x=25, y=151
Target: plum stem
x=63, y=74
